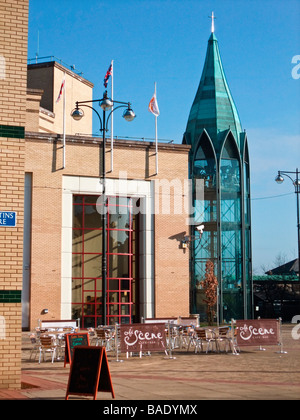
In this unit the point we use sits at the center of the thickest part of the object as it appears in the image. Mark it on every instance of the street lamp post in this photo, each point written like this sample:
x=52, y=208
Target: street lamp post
x=107, y=106
x=296, y=182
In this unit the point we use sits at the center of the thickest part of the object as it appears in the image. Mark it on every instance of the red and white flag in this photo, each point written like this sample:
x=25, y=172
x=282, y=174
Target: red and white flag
x=153, y=106
x=61, y=90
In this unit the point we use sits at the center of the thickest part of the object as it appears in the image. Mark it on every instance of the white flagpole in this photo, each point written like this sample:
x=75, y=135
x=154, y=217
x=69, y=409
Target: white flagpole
x=112, y=120
x=156, y=145
x=64, y=123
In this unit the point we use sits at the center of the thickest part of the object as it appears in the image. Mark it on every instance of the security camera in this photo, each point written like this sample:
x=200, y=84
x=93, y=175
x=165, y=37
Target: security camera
x=200, y=228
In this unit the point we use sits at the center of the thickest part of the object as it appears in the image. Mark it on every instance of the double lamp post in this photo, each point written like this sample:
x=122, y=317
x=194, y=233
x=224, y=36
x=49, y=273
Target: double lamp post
x=296, y=182
x=107, y=106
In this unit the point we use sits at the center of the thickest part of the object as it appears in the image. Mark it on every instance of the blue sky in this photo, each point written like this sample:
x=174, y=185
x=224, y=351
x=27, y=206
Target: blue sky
x=165, y=41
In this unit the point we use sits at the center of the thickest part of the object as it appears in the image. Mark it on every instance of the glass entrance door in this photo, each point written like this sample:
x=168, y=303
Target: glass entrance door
x=121, y=234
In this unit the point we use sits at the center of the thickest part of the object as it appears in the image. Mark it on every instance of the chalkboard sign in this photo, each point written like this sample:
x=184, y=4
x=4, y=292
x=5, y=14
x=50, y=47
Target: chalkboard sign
x=89, y=372
x=72, y=341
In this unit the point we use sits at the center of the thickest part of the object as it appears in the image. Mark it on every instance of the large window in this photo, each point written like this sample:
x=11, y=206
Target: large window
x=121, y=234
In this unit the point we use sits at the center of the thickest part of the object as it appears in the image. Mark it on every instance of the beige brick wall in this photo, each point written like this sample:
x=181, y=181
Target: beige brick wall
x=13, y=41
x=43, y=159
x=76, y=89
x=12, y=199
x=48, y=77
x=171, y=268
x=33, y=99
x=10, y=348
x=13, y=78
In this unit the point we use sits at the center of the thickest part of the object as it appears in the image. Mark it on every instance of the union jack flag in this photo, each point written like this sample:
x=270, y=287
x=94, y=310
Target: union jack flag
x=107, y=76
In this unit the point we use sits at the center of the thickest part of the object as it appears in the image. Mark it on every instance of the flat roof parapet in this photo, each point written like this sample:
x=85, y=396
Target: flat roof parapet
x=70, y=71
x=88, y=140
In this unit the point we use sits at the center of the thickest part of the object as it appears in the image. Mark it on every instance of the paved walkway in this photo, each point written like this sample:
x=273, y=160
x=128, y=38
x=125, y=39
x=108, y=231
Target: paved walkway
x=252, y=375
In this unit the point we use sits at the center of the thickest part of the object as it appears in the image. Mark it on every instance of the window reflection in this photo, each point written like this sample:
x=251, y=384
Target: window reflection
x=231, y=234
x=87, y=260
x=222, y=220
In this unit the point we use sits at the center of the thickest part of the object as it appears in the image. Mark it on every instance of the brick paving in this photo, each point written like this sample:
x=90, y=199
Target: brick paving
x=252, y=375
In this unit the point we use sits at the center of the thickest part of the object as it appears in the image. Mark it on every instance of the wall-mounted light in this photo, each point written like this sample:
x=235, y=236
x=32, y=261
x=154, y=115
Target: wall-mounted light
x=44, y=312
x=187, y=240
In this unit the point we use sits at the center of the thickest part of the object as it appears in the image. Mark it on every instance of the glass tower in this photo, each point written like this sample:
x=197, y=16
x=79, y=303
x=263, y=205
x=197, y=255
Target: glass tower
x=219, y=163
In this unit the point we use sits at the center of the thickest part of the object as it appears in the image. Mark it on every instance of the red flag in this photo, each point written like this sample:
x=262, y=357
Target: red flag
x=61, y=90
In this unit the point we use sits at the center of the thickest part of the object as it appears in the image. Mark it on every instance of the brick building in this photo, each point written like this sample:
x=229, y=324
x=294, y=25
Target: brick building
x=13, y=82
x=51, y=182
x=65, y=232
x=51, y=186
x=148, y=271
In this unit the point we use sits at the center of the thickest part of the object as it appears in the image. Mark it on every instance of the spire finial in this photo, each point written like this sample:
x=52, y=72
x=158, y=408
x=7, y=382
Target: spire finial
x=212, y=17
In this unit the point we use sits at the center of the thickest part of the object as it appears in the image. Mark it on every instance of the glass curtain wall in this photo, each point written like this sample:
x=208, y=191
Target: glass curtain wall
x=231, y=232
x=121, y=229
x=247, y=230
x=206, y=247
x=226, y=240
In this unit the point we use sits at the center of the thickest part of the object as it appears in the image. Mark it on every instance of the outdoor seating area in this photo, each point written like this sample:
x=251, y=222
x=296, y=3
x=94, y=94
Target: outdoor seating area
x=200, y=340
x=52, y=341
x=49, y=341
x=103, y=336
x=211, y=375
x=48, y=344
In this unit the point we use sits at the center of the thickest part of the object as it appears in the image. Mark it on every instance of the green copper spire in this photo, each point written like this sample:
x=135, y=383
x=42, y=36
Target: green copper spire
x=219, y=168
x=213, y=108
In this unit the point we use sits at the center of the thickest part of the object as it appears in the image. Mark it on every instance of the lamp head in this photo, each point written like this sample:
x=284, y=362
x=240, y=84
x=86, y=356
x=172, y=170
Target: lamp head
x=77, y=114
x=128, y=114
x=279, y=179
x=106, y=104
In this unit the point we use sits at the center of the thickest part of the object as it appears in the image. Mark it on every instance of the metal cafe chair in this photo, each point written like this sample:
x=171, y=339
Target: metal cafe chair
x=199, y=339
x=211, y=337
x=47, y=345
x=35, y=345
x=204, y=335
x=184, y=335
x=222, y=336
x=103, y=338
x=235, y=347
x=227, y=335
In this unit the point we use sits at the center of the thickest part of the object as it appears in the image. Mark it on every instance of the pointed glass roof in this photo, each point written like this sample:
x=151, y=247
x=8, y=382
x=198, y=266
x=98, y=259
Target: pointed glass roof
x=213, y=108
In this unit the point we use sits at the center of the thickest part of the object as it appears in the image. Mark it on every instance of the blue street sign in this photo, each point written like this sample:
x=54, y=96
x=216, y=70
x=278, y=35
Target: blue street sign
x=8, y=219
